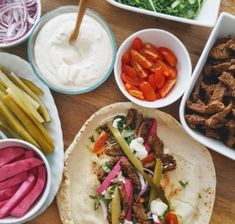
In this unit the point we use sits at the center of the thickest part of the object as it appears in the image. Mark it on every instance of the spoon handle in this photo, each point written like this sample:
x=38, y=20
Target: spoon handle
x=81, y=13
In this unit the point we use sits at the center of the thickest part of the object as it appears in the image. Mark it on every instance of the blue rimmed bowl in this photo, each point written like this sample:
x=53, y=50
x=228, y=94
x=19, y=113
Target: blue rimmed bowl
x=31, y=53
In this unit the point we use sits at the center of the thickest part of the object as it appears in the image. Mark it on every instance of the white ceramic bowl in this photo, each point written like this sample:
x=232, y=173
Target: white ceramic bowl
x=159, y=38
x=206, y=17
x=26, y=36
x=224, y=27
x=40, y=201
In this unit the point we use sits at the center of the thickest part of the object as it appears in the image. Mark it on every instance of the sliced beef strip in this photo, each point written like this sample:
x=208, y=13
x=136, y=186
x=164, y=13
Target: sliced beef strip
x=138, y=122
x=231, y=68
x=144, y=129
x=218, y=93
x=212, y=133
x=230, y=141
x=231, y=126
x=200, y=102
x=227, y=79
x=233, y=112
x=196, y=92
x=150, y=165
x=231, y=44
x=194, y=120
x=113, y=150
x=129, y=171
x=168, y=163
x=125, y=202
x=159, y=147
x=221, y=51
x=216, y=118
x=220, y=68
x=208, y=89
x=131, y=117
x=139, y=211
x=211, y=108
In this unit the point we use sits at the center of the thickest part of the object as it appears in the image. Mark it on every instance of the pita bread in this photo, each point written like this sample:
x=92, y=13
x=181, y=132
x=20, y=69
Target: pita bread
x=194, y=165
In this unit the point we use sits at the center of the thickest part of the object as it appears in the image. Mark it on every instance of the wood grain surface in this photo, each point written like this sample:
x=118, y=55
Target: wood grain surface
x=75, y=110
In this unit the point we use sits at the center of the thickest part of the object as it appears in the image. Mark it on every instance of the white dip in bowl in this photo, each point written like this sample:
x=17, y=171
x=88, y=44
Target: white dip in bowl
x=77, y=66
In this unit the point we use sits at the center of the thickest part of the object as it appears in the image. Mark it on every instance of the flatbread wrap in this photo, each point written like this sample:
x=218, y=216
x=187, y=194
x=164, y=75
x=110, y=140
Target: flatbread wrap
x=129, y=165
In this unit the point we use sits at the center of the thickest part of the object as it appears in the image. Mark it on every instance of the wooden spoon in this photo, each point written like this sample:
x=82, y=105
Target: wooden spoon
x=81, y=13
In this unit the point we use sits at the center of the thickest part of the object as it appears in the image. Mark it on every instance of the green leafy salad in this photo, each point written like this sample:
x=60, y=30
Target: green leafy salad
x=183, y=8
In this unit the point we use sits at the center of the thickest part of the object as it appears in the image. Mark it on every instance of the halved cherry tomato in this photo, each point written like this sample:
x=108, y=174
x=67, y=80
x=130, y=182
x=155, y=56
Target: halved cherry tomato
x=168, y=55
x=137, y=44
x=150, y=54
x=171, y=219
x=172, y=72
x=167, y=87
x=129, y=71
x=158, y=95
x=163, y=66
x=132, y=81
x=126, y=58
x=151, y=80
x=159, y=78
x=140, y=71
x=148, y=159
x=140, y=59
x=148, y=91
x=136, y=93
x=100, y=142
x=150, y=46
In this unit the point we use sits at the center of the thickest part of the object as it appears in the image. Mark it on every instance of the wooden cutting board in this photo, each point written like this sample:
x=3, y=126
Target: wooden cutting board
x=74, y=110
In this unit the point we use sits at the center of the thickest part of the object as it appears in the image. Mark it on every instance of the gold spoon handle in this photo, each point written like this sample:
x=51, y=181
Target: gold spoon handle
x=81, y=13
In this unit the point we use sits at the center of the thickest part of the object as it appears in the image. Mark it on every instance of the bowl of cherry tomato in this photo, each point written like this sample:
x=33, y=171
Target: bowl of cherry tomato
x=152, y=68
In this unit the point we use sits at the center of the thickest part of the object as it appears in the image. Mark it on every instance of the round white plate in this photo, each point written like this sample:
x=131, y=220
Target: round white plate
x=56, y=160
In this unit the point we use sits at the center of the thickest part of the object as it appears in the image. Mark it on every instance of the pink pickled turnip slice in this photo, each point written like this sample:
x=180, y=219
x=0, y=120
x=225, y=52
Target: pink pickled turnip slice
x=129, y=191
x=113, y=173
x=22, y=191
x=29, y=154
x=18, y=167
x=2, y=203
x=7, y=193
x=153, y=131
x=16, y=180
x=9, y=154
x=22, y=208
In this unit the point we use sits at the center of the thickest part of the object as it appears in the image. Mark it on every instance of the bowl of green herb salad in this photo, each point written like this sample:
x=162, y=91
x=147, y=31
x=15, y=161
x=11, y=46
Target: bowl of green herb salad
x=195, y=12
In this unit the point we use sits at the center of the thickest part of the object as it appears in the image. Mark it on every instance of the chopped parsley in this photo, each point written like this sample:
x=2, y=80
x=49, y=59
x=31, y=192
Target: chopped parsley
x=97, y=198
x=107, y=167
x=183, y=184
x=92, y=139
x=121, y=121
x=98, y=130
x=129, y=139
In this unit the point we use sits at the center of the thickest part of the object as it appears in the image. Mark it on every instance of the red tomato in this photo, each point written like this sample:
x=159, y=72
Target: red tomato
x=150, y=47
x=148, y=159
x=159, y=78
x=151, y=80
x=168, y=55
x=126, y=58
x=140, y=59
x=129, y=71
x=148, y=91
x=132, y=81
x=167, y=87
x=167, y=70
x=100, y=142
x=136, y=93
x=140, y=71
x=171, y=219
x=150, y=54
x=158, y=95
x=137, y=44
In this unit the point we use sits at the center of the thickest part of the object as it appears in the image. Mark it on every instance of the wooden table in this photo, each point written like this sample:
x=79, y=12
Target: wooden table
x=75, y=110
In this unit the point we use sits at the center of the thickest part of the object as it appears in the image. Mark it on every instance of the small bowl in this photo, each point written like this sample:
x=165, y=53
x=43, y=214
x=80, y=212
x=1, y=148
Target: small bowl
x=50, y=15
x=26, y=36
x=224, y=27
x=159, y=38
x=41, y=200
